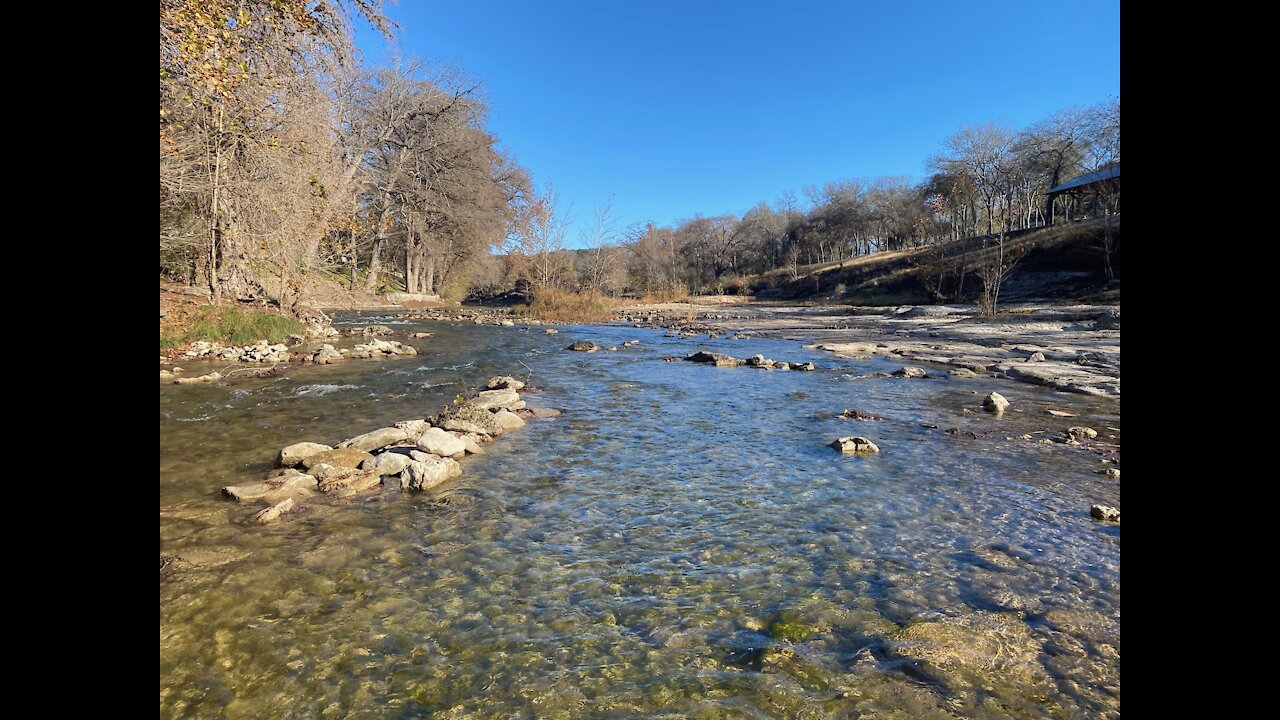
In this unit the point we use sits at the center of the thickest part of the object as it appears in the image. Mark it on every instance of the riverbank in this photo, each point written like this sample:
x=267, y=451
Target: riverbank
x=1071, y=348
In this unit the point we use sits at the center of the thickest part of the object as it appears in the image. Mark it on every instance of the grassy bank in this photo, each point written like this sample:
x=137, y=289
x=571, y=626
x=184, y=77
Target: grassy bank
x=561, y=306
x=227, y=324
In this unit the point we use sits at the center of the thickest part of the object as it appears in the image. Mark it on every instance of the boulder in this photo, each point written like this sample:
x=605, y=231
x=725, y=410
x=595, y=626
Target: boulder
x=807, y=366
x=995, y=403
x=505, y=382
x=326, y=355
x=439, y=442
x=478, y=418
x=583, y=346
x=1082, y=433
x=340, y=457
x=376, y=439
x=297, y=494
x=427, y=474
x=964, y=373
x=377, y=330
x=508, y=420
x=1036, y=357
x=855, y=446
x=910, y=372
x=388, y=463
x=245, y=492
x=759, y=361
x=1111, y=472
x=274, y=512
x=463, y=426
x=550, y=331
x=1109, y=320
x=1105, y=512
x=419, y=335
x=473, y=444
x=297, y=452
x=714, y=358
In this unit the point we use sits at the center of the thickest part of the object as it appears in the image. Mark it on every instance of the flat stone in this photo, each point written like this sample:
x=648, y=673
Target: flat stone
x=340, y=457
x=376, y=439
x=439, y=442
x=508, y=419
x=490, y=399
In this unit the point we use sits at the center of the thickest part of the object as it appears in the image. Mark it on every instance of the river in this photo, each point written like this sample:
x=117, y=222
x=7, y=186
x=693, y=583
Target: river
x=681, y=542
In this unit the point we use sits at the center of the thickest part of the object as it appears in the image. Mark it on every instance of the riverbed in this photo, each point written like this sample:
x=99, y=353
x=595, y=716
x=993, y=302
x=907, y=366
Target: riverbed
x=681, y=542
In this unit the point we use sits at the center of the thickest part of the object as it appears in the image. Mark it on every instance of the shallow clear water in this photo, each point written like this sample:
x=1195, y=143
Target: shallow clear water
x=680, y=543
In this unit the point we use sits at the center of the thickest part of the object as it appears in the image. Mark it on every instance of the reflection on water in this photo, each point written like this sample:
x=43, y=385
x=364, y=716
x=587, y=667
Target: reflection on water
x=680, y=543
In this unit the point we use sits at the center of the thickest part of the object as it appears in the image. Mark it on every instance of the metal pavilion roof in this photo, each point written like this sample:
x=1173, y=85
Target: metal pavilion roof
x=1107, y=173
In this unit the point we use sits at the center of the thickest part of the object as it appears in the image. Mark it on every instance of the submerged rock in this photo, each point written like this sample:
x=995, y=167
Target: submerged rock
x=855, y=445
x=550, y=331
x=274, y=512
x=1106, y=512
x=995, y=402
x=376, y=439
x=583, y=346
x=966, y=651
x=293, y=454
x=244, y=492
x=964, y=373
x=538, y=413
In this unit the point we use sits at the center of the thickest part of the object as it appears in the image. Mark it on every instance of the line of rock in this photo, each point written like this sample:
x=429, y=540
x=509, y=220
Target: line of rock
x=421, y=453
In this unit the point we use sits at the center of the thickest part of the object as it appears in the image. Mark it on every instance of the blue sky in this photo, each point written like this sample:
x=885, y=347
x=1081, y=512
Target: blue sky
x=676, y=108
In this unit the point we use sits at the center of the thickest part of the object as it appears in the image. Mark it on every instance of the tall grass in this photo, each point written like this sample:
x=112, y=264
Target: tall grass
x=230, y=325
x=677, y=292
x=563, y=306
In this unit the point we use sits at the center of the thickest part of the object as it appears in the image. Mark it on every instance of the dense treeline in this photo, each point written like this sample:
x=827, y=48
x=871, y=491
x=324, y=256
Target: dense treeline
x=987, y=180
x=279, y=154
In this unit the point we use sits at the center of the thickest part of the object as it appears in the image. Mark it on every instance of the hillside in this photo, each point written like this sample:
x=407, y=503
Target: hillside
x=1062, y=262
